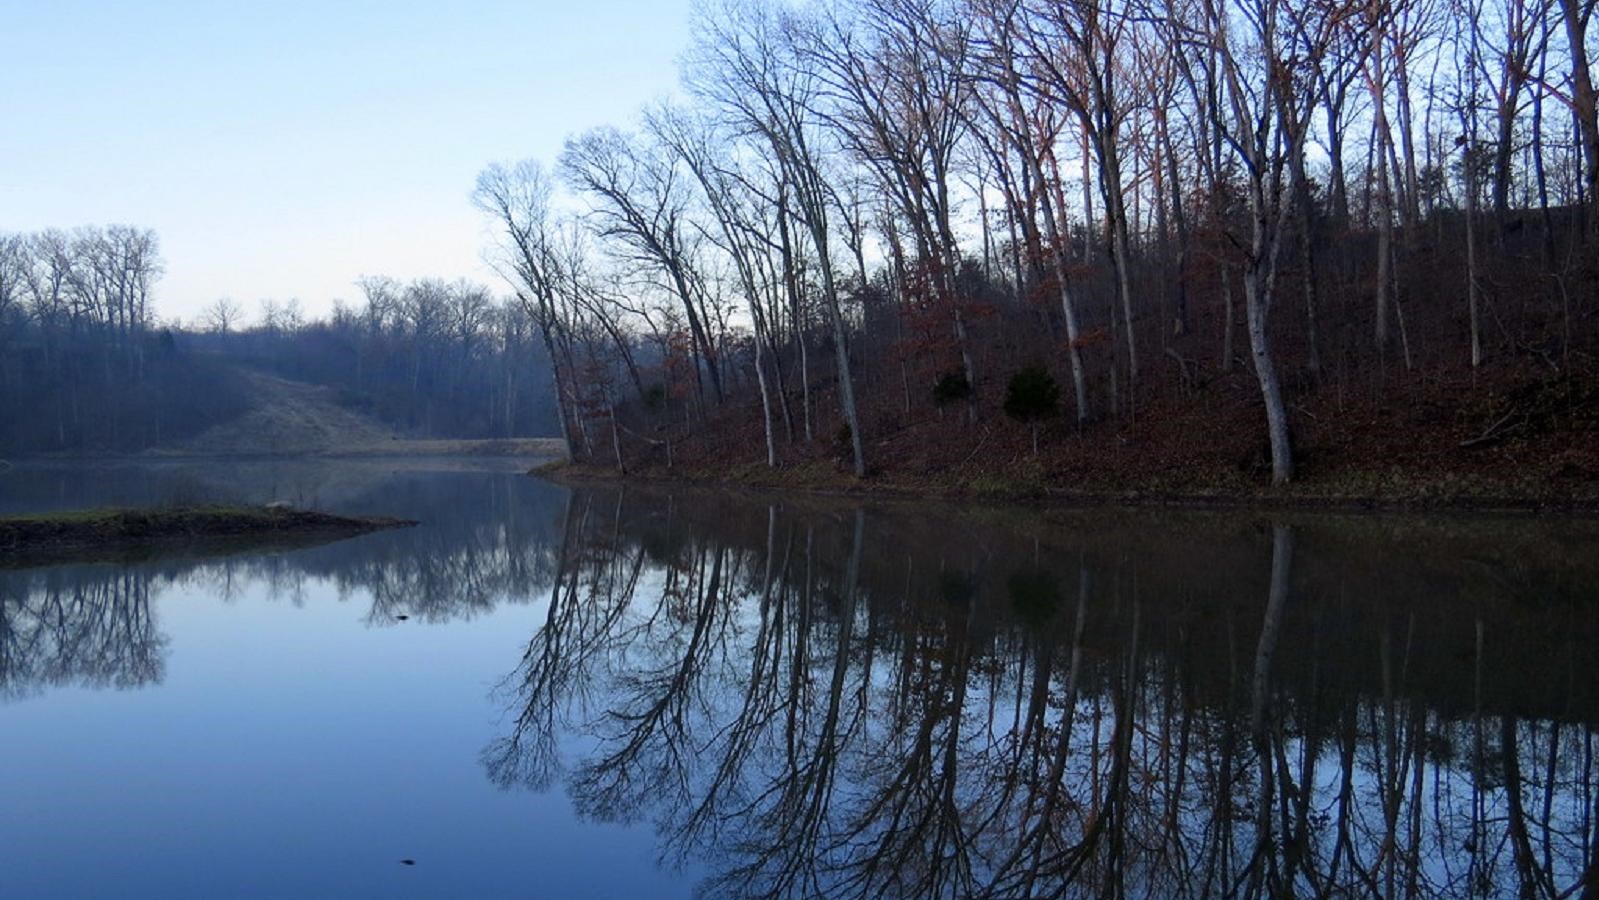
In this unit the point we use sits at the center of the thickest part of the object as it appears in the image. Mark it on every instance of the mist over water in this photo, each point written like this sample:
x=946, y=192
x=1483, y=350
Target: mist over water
x=606, y=692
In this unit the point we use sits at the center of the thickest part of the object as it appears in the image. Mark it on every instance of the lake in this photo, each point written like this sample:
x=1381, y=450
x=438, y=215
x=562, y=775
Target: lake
x=656, y=692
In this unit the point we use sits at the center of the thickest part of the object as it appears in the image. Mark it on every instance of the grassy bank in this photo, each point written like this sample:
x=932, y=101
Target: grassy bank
x=113, y=532
x=387, y=449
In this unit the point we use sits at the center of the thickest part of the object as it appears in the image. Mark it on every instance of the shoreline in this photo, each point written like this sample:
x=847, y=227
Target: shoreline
x=1435, y=496
x=425, y=448
x=116, y=533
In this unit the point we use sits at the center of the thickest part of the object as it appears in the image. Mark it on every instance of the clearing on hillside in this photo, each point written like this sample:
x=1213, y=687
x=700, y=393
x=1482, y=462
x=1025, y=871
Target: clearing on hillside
x=293, y=418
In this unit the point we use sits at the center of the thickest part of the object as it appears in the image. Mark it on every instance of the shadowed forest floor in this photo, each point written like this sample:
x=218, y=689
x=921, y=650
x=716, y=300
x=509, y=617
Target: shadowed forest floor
x=1514, y=436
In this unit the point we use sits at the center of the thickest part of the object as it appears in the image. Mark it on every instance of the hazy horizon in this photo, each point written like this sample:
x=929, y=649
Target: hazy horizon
x=283, y=151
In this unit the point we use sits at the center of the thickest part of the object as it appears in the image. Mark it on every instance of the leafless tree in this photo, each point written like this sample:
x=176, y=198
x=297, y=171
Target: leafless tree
x=746, y=64
x=518, y=199
x=223, y=315
x=641, y=206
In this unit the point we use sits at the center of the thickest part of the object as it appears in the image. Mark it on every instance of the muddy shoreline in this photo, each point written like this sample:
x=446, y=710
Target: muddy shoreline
x=1417, y=497
x=115, y=533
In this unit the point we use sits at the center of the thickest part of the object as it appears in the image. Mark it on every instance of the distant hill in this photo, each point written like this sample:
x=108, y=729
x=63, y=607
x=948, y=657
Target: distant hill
x=285, y=417
x=86, y=369
x=306, y=392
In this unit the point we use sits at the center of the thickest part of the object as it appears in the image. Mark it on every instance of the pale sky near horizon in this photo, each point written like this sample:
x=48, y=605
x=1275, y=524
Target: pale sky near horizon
x=285, y=149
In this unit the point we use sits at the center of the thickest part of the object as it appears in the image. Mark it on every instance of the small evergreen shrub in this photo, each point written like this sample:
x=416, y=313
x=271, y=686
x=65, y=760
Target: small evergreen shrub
x=951, y=387
x=1032, y=395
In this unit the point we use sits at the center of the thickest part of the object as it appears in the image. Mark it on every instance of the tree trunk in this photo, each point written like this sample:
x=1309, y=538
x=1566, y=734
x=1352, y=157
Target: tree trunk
x=1057, y=242
x=1584, y=101
x=616, y=439
x=846, y=381
x=1228, y=317
x=796, y=310
x=560, y=386
x=1307, y=257
x=1472, y=290
x=1121, y=260
x=1257, y=302
x=696, y=327
x=766, y=392
x=1382, y=137
x=1385, y=251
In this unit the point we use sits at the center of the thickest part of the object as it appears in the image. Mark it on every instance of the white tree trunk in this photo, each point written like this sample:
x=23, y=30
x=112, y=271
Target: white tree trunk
x=1257, y=309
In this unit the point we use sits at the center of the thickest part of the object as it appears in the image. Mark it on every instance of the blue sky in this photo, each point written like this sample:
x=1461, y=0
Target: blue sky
x=285, y=149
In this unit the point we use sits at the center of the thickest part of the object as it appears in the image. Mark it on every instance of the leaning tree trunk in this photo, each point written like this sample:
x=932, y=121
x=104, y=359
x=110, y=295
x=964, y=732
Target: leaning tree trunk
x=1260, y=278
x=1585, y=103
x=846, y=391
x=1257, y=307
x=1121, y=259
x=846, y=381
x=560, y=387
x=1057, y=251
x=761, y=379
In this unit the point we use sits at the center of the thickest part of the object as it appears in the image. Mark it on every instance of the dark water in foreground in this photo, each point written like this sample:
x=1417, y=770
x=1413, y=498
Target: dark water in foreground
x=651, y=693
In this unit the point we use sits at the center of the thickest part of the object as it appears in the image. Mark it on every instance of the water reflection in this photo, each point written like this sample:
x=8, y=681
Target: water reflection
x=61, y=627
x=915, y=703
x=484, y=542
x=815, y=699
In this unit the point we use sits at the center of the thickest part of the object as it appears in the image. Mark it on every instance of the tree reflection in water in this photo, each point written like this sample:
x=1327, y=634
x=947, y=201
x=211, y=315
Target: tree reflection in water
x=484, y=542
x=859, y=703
x=918, y=701
x=64, y=627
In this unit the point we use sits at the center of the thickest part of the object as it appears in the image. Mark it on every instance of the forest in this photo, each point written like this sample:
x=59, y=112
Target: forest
x=1258, y=239
x=86, y=366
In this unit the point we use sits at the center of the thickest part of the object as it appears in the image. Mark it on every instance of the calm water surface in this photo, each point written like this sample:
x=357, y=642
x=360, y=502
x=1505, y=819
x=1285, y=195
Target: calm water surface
x=542, y=692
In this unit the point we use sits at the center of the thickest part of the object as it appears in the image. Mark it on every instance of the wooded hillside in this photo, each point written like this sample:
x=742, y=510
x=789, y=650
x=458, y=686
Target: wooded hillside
x=87, y=366
x=1111, y=240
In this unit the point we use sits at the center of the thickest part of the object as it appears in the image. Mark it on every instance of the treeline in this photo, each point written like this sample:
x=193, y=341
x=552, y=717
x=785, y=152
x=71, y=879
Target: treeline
x=83, y=363
x=86, y=366
x=429, y=357
x=871, y=210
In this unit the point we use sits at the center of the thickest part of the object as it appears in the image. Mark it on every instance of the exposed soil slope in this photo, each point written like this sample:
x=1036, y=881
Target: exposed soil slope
x=293, y=418
x=288, y=417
